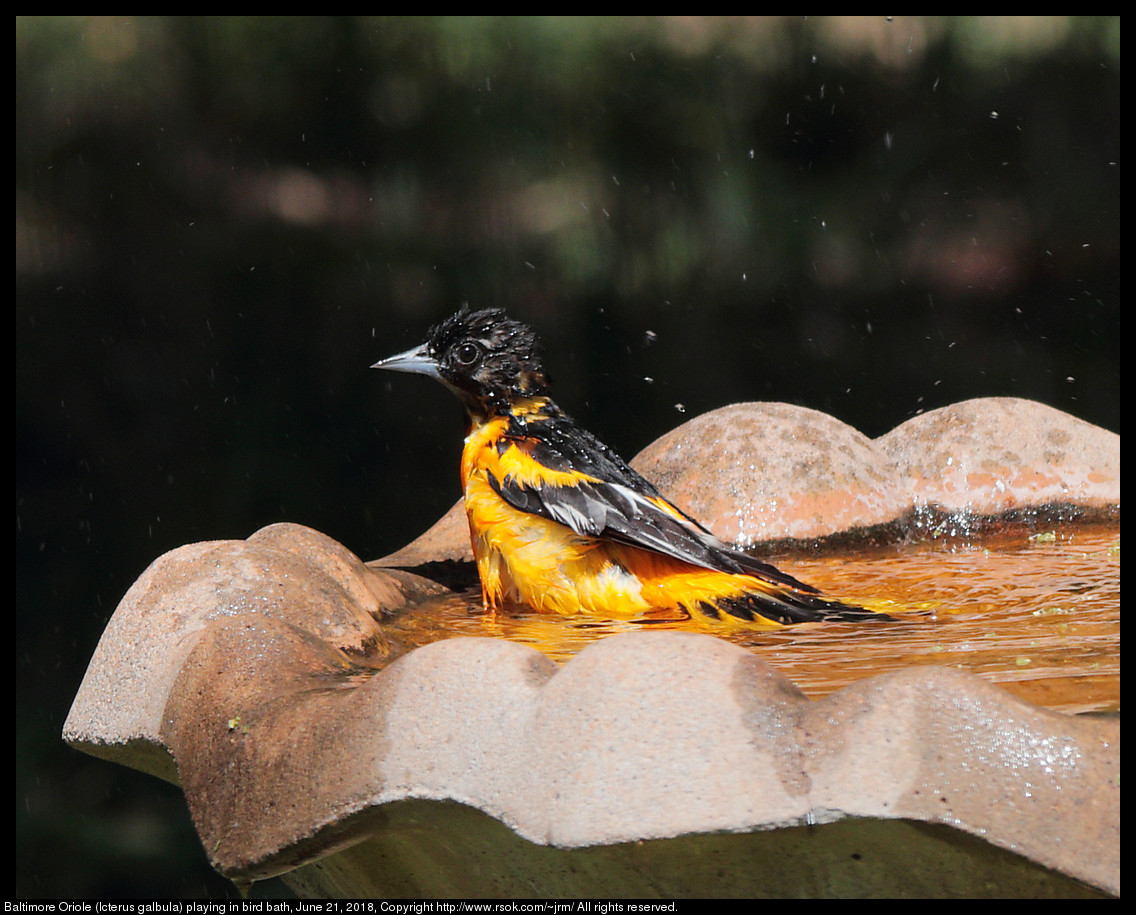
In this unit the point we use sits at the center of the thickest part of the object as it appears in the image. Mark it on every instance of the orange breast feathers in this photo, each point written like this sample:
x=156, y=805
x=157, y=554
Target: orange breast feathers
x=525, y=558
x=520, y=556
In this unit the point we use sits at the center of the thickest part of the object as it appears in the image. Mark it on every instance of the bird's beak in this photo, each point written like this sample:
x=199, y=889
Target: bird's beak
x=418, y=361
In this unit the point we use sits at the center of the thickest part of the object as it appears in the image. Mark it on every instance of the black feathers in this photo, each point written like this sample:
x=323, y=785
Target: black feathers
x=488, y=358
x=613, y=500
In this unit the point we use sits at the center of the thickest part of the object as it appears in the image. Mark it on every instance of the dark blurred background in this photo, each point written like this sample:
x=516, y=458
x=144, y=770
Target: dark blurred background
x=220, y=223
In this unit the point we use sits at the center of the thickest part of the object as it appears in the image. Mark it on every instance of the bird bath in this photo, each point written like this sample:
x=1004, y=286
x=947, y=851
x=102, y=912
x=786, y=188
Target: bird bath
x=364, y=729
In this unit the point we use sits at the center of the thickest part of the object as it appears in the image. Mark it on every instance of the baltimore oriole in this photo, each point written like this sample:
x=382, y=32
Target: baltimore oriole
x=558, y=521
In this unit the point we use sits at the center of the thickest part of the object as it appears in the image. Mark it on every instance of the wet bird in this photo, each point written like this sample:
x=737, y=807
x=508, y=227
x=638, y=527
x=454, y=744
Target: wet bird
x=560, y=522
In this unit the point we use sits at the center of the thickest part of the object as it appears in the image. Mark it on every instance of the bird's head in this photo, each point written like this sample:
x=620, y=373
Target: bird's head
x=484, y=356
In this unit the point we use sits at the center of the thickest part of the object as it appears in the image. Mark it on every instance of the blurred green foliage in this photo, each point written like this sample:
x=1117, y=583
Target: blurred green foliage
x=221, y=222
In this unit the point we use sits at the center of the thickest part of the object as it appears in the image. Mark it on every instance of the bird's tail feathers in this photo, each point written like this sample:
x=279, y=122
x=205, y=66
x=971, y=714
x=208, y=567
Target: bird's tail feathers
x=779, y=606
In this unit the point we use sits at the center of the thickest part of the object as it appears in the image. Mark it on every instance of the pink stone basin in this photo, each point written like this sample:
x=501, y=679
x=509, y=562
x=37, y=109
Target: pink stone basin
x=273, y=680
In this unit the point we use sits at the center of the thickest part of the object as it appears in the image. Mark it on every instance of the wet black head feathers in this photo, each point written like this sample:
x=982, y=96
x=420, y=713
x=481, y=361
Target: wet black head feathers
x=487, y=356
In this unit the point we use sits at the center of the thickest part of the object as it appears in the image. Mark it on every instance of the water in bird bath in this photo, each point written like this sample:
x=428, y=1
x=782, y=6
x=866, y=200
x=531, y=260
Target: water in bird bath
x=1038, y=614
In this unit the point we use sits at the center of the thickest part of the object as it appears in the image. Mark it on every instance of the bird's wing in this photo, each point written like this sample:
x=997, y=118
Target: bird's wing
x=553, y=468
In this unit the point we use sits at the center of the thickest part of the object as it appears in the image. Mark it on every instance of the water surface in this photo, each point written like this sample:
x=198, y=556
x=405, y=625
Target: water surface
x=1038, y=614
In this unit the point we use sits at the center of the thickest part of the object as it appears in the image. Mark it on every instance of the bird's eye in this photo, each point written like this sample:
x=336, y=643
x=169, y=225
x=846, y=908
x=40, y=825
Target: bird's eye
x=466, y=354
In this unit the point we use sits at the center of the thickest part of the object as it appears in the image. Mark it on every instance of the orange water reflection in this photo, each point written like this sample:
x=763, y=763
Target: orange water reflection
x=1039, y=615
